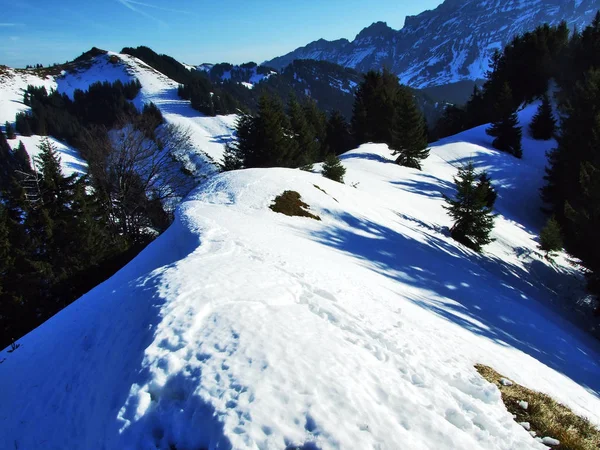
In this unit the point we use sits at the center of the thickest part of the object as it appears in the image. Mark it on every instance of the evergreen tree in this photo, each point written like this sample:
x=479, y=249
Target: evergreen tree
x=303, y=133
x=22, y=124
x=410, y=133
x=550, y=237
x=9, y=130
x=386, y=112
x=543, y=124
x=473, y=218
x=485, y=184
x=317, y=120
x=267, y=139
x=23, y=162
x=231, y=159
x=584, y=218
x=505, y=129
x=333, y=168
x=339, y=139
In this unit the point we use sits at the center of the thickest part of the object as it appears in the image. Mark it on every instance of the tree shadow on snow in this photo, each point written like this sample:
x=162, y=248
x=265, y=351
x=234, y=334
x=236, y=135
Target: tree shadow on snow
x=488, y=296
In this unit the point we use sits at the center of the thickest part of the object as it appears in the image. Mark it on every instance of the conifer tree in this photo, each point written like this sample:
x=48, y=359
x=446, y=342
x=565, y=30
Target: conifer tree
x=410, y=132
x=317, y=120
x=550, y=237
x=231, y=158
x=490, y=194
x=267, y=139
x=22, y=124
x=303, y=133
x=505, y=128
x=386, y=112
x=333, y=168
x=543, y=124
x=9, y=130
x=339, y=139
x=22, y=159
x=473, y=218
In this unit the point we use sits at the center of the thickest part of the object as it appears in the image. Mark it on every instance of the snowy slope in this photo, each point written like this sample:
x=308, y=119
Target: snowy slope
x=12, y=85
x=209, y=134
x=242, y=328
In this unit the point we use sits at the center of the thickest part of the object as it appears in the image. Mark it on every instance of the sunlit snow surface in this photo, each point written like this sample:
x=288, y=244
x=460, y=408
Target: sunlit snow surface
x=208, y=134
x=242, y=328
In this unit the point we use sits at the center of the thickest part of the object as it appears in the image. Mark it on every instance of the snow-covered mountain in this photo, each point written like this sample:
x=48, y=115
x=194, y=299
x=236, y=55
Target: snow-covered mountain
x=450, y=43
x=240, y=328
x=208, y=134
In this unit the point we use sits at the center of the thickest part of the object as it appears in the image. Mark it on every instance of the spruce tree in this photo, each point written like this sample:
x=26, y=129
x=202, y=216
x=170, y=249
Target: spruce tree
x=317, y=120
x=270, y=137
x=490, y=194
x=550, y=237
x=303, y=133
x=473, y=218
x=333, y=168
x=543, y=124
x=410, y=132
x=231, y=159
x=339, y=139
x=9, y=130
x=22, y=159
x=22, y=123
x=505, y=128
x=386, y=112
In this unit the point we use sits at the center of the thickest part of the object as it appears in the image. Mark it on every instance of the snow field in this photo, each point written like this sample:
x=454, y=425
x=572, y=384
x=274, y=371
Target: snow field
x=242, y=328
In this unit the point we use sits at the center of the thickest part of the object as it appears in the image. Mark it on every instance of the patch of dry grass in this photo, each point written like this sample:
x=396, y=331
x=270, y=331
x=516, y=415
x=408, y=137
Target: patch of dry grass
x=290, y=204
x=546, y=416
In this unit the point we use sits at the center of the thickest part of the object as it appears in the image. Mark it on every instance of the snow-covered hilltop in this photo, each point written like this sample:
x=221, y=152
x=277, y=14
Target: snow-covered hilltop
x=243, y=328
x=451, y=43
x=209, y=134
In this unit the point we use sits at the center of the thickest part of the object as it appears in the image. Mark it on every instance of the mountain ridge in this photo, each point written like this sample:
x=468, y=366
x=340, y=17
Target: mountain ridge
x=466, y=33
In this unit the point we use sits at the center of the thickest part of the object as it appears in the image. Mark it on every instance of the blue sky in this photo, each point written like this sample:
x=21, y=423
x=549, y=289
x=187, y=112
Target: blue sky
x=192, y=31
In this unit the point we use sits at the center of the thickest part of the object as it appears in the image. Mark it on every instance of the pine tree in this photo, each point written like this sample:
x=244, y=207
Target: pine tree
x=231, y=158
x=333, y=168
x=584, y=218
x=339, y=139
x=9, y=130
x=550, y=237
x=22, y=124
x=266, y=140
x=473, y=218
x=410, y=132
x=543, y=124
x=386, y=112
x=485, y=184
x=505, y=128
x=22, y=158
x=317, y=120
x=303, y=133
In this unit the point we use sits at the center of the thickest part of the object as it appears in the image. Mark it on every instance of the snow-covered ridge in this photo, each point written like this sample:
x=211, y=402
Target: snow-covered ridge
x=209, y=134
x=242, y=328
x=454, y=42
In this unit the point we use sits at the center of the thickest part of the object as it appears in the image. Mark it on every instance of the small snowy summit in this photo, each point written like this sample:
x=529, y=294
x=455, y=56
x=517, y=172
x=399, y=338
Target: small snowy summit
x=242, y=328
